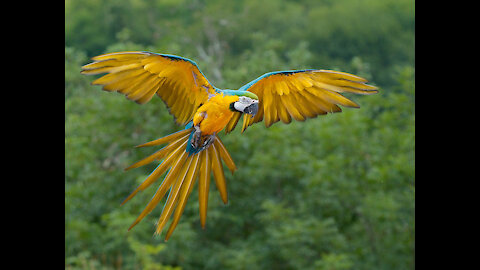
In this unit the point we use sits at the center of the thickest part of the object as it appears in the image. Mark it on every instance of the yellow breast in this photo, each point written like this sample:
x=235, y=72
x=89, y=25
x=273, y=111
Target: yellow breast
x=217, y=113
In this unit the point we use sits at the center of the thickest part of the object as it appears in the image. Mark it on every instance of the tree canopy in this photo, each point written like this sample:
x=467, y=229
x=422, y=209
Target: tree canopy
x=334, y=192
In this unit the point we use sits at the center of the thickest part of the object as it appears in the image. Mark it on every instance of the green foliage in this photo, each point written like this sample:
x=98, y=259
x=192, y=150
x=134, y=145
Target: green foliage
x=335, y=192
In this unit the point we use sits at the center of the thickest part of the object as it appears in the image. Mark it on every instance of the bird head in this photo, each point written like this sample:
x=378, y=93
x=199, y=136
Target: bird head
x=246, y=105
x=247, y=102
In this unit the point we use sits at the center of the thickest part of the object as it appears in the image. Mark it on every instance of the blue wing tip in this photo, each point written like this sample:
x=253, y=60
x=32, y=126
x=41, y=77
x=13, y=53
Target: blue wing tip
x=285, y=72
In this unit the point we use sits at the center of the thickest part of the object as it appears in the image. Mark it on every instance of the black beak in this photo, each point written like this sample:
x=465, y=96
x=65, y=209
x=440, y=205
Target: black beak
x=252, y=109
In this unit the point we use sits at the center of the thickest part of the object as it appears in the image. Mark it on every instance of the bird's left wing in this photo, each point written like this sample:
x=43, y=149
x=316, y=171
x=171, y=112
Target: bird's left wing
x=140, y=75
x=300, y=94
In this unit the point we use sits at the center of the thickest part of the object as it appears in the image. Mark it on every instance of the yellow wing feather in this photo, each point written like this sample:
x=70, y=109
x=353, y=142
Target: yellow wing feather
x=140, y=75
x=233, y=122
x=301, y=94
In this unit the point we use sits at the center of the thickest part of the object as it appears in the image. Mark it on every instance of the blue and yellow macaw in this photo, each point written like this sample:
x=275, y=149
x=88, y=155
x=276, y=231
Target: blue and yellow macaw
x=204, y=110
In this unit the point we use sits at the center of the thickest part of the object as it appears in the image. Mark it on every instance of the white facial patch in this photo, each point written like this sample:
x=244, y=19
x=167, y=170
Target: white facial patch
x=240, y=106
x=243, y=102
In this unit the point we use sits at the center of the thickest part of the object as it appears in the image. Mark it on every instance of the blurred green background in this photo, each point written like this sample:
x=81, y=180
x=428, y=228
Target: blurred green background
x=335, y=192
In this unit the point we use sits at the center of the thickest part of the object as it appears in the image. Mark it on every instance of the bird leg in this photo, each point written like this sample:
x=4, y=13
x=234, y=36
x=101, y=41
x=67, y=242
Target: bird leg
x=197, y=135
x=208, y=141
x=197, y=138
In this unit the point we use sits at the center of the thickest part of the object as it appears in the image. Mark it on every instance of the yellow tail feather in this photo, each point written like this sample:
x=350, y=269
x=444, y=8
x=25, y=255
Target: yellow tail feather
x=204, y=186
x=183, y=171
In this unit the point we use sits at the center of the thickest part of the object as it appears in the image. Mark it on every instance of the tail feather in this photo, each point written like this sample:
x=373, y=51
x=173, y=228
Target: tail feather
x=168, y=138
x=184, y=194
x=203, y=186
x=183, y=170
x=162, y=168
x=159, y=154
x=173, y=196
x=218, y=174
x=225, y=155
x=167, y=182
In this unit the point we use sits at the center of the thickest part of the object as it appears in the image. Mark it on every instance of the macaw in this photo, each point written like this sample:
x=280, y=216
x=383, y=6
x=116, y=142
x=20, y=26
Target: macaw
x=197, y=151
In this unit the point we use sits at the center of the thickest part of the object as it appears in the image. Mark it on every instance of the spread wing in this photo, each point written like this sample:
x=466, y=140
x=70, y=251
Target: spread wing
x=300, y=94
x=140, y=75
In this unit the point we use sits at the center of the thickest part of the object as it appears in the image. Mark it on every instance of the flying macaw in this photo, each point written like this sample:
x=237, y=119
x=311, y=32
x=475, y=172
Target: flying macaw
x=205, y=110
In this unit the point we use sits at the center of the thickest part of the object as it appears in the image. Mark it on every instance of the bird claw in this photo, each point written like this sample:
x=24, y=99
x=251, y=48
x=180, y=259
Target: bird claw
x=208, y=141
x=196, y=139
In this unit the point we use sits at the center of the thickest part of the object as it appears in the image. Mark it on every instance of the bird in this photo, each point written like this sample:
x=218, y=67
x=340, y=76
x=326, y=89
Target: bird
x=196, y=151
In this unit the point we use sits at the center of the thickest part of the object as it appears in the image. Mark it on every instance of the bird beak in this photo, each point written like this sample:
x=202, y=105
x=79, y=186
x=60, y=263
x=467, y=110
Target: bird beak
x=251, y=109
